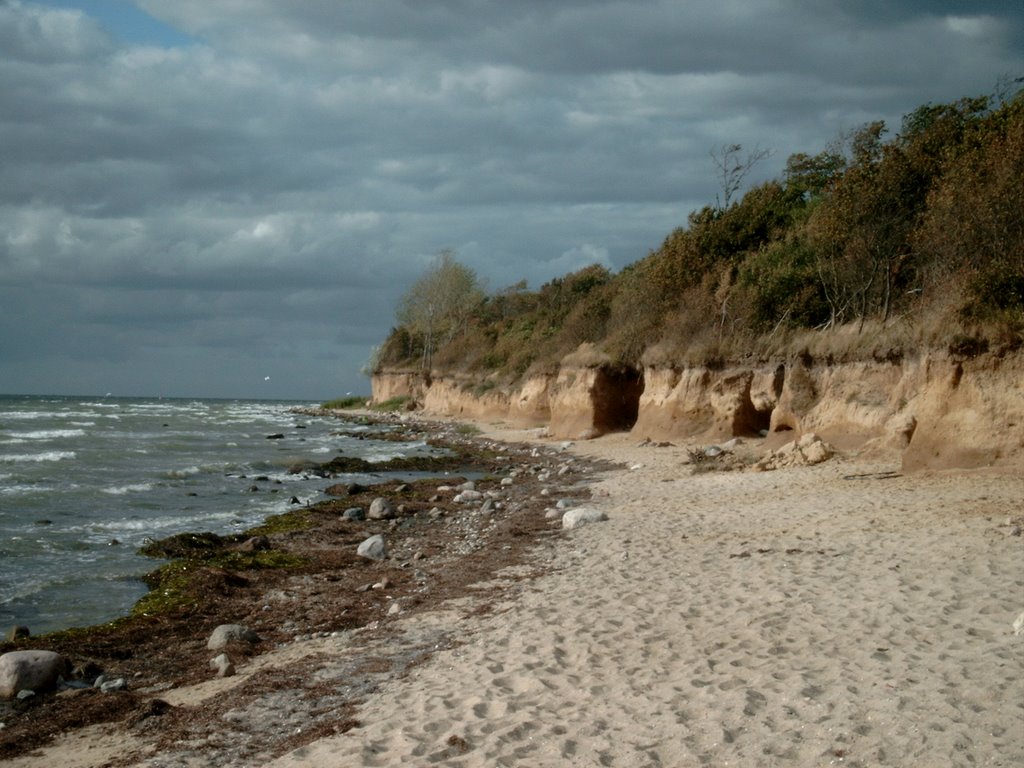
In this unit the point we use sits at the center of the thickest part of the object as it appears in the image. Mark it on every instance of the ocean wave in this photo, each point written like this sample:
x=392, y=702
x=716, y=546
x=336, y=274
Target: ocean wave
x=20, y=490
x=178, y=474
x=47, y=434
x=47, y=456
x=120, y=490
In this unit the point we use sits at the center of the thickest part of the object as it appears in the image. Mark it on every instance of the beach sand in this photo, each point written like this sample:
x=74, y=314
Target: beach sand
x=800, y=617
x=840, y=614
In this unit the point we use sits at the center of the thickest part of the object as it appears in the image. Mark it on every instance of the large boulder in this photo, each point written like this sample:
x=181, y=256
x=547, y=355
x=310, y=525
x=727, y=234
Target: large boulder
x=29, y=671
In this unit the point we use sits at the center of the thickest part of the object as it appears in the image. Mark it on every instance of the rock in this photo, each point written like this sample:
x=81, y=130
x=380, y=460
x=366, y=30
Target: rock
x=111, y=686
x=394, y=609
x=808, y=450
x=468, y=496
x=1018, y=625
x=507, y=481
x=381, y=509
x=223, y=664
x=901, y=427
x=229, y=633
x=579, y=516
x=815, y=453
x=275, y=436
x=373, y=548
x=469, y=485
x=254, y=544
x=353, y=513
x=29, y=671
x=294, y=500
x=17, y=633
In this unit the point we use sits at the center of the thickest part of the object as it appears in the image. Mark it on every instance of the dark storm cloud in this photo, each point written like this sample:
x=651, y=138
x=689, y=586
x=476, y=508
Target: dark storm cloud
x=266, y=186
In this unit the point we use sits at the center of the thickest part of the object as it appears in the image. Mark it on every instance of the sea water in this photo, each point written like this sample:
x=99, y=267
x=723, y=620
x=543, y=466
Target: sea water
x=84, y=482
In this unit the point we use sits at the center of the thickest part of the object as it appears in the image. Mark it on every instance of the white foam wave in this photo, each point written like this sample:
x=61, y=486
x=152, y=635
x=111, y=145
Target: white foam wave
x=47, y=456
x=120, y=490
x=47, y=434
x=18, y=490
x=177, y=474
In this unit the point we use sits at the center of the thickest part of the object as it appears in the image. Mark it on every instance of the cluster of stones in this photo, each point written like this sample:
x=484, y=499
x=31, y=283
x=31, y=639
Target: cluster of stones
x=809, y=449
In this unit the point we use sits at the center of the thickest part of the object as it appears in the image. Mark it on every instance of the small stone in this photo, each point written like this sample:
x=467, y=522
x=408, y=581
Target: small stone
x=381, y=509
x=575, y=518
x=394, y=609
x=111, y=686
x=373, y=548
x=255, y=544
x=507, y=481
x=17, y=633
x=1018, y=625
x=227, y=633
x=353, y=513
x=25, y=694
x=223, y=665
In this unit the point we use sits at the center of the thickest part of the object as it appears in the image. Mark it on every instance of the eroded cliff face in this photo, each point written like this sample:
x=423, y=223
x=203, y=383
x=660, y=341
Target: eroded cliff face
x=935, y=411
x=464, y=397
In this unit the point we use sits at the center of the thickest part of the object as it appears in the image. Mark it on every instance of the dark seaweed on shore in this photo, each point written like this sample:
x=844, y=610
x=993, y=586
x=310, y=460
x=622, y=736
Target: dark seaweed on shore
x=297, y=575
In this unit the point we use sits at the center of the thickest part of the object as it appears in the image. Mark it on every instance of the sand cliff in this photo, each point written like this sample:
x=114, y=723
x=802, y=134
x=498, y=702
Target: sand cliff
x=937, y=410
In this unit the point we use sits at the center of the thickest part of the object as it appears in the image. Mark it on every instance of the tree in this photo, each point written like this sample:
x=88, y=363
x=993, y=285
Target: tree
x=437, y=306
x=733, y=168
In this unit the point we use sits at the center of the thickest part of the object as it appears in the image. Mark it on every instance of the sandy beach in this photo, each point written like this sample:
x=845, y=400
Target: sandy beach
x=838, y=614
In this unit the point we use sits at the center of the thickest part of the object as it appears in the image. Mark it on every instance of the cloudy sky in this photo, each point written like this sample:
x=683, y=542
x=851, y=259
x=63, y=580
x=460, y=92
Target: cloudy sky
x=198, y=194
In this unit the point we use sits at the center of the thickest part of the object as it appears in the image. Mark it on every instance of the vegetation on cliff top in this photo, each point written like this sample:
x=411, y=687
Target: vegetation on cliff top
x=873, y=246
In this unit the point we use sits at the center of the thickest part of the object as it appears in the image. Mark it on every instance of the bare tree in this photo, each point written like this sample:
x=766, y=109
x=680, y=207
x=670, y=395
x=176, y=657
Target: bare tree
x=733, y=167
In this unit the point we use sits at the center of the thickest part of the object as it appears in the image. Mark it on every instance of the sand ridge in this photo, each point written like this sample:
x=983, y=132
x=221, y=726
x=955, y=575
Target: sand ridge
x=833, y=615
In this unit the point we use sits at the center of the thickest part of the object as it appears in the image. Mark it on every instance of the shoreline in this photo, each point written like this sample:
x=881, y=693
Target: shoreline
x=438, y=547
x=839, y=614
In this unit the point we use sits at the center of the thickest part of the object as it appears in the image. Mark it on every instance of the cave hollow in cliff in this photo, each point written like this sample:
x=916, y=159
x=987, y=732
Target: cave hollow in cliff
x=616, y=398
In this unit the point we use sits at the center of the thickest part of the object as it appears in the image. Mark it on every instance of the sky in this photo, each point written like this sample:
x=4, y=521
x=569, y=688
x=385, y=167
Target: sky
x=227, y=198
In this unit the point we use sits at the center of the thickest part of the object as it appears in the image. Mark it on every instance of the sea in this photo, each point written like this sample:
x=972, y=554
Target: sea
x=86, y=481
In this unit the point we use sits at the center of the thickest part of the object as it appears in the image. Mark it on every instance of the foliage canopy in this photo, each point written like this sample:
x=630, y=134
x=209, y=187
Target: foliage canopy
x=919, y=236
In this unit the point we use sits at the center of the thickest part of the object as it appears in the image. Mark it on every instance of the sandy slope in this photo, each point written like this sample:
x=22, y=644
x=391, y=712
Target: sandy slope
x=795, y=618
